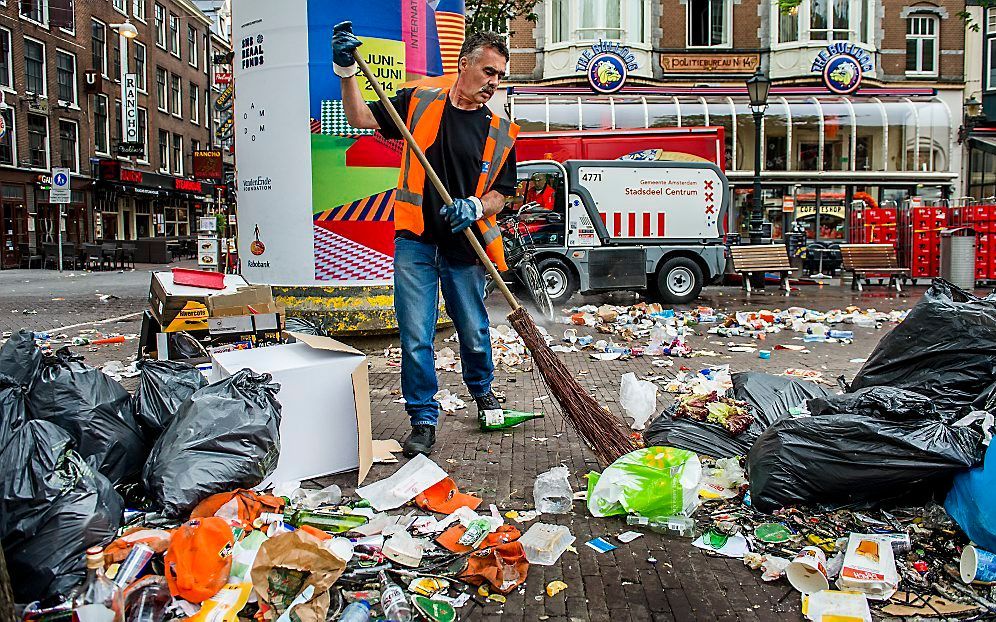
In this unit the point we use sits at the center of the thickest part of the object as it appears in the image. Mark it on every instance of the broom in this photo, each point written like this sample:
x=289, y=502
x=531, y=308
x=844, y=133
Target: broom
x=599, y=428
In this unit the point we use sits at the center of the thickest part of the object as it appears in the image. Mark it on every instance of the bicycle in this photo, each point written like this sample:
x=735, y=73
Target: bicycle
x=520, y=253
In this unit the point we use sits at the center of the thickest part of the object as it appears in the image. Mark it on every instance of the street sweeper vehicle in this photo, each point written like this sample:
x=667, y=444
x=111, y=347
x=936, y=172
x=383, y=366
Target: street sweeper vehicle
x=602, y=225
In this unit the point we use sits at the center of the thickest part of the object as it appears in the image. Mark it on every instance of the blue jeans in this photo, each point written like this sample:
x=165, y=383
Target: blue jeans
x=420, y=271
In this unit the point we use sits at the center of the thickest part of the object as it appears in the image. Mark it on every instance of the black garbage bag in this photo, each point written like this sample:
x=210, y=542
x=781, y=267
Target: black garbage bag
x=885, y=402
x=225, y=436
x=770, y=398
x=856, y=458
x=303, y=326
x=945, y=349
x=163, y=386
x=52, y=505
x=21, y=358
x=96, y=411
x=86, y=512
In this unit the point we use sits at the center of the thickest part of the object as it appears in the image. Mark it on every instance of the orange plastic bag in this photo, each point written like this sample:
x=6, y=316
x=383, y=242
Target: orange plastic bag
x=250, y=505
x=504, y=567
x=199, y=559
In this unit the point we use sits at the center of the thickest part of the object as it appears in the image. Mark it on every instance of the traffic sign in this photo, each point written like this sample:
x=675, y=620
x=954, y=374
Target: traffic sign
x=60, y=192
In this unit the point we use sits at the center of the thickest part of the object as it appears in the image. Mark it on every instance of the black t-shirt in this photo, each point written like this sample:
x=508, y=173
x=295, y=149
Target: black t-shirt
x=456, y=158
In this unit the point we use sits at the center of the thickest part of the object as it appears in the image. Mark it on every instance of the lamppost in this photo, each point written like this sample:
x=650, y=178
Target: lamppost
x=757, y=91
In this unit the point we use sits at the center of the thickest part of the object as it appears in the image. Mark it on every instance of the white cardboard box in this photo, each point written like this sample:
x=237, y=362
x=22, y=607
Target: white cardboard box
x=325, y=404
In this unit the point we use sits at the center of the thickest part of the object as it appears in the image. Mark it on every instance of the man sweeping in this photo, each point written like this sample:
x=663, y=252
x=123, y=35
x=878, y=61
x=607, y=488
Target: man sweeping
x=472, y=151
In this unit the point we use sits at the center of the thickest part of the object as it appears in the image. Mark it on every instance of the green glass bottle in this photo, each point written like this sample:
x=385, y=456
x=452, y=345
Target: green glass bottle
x=326, y=521
x=510, y=419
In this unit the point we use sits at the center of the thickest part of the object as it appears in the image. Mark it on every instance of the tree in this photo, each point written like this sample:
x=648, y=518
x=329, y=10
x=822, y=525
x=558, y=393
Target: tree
x=496, y=15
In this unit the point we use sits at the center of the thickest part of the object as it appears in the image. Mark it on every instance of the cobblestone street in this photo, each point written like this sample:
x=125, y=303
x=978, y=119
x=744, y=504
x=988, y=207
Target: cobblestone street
x=651, y=578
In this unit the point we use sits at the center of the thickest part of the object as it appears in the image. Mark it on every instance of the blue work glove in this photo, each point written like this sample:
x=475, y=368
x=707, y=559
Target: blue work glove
x=343, y=44
x=462, y=213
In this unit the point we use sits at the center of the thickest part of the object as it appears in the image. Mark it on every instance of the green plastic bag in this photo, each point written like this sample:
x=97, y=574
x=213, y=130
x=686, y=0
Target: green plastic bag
x=654, y=481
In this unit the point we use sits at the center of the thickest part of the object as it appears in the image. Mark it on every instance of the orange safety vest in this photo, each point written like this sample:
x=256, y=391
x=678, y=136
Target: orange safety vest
x=425, y=112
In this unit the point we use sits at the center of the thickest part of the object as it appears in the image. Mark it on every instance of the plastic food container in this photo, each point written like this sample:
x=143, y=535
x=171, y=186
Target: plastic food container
x=544, y=544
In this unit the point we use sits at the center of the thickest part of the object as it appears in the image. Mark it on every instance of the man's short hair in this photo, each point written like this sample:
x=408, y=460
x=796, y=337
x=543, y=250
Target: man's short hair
x=481, y=40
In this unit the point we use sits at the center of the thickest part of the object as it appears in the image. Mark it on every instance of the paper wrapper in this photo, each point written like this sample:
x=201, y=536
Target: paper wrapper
x=288, y=563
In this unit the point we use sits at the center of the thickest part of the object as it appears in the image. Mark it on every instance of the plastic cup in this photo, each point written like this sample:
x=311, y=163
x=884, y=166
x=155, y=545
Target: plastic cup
x=808, y=571
x=977, y=565
x=764, y=354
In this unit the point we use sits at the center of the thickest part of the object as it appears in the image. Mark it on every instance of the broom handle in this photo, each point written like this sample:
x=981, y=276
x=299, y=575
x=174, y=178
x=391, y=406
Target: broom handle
x=447, y=199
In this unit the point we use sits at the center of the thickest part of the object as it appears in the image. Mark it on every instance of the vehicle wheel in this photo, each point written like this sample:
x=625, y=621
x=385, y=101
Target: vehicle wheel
x=679, y=280
x=559, y=279
x=537, y=288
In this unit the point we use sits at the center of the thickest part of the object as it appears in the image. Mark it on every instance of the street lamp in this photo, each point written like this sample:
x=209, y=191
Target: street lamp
x=757, y=91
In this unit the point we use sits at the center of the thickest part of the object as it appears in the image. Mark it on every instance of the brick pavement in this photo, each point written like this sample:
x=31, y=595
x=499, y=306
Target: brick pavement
x=683, y=584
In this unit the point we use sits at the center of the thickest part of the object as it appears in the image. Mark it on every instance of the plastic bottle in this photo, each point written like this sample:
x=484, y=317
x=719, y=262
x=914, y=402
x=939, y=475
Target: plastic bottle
x=670, y=525
x=99, y=599
x=356, y=612
x=841, y=334
x=393, y=600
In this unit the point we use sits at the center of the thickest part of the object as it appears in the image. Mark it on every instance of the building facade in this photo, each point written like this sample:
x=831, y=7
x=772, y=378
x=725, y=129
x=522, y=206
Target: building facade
x=61, y=79
x=825, y=149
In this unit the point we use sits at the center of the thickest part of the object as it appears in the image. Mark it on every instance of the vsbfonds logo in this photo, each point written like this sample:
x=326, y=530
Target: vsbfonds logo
x=252, y=51
x=607, y=65
x=842, y=66
x=257, y=184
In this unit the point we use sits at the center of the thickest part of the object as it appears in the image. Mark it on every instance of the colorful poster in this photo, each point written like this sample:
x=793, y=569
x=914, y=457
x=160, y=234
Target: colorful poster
x=316, y=193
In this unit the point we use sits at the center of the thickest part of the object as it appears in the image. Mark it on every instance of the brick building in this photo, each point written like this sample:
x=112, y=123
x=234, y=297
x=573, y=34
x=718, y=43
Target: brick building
x=892, y=138
x=60, y=76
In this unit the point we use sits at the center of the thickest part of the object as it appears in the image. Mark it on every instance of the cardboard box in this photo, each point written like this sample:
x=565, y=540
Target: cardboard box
x=241, y=332
x=180, y=307
x=325, y=404
x=247, y=300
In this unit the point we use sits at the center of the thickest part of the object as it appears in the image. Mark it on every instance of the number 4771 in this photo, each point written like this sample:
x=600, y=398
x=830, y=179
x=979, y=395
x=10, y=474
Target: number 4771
x=591, y=177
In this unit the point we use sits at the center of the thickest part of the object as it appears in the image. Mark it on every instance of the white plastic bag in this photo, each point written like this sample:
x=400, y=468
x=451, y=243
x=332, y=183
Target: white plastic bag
x=638, y=398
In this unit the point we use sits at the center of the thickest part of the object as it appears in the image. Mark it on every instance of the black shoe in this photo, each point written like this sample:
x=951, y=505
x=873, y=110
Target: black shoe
x=420, y=441
x=485, y=403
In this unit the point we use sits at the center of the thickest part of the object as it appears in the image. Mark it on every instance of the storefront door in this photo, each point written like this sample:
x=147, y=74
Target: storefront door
x=12, y=227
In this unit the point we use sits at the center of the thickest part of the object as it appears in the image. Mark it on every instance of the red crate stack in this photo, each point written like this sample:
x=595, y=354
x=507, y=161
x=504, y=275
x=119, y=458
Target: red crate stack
x=874, y=225
x=922, y=226
x=982, y=219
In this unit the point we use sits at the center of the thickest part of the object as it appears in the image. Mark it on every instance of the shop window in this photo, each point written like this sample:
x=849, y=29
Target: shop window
x=7, y=142
x=775, y=148
x=829, y=20
x=100, y=125
x=34, y=66
x=69, y=147
x=98, y=46
x=921, y=45
x=38, y=141
x=709, y=23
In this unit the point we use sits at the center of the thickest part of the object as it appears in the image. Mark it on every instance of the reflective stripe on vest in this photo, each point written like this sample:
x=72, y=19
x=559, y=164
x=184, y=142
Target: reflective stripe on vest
x=425, y=113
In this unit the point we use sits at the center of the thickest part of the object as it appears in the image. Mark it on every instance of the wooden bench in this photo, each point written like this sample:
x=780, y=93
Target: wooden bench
x=761, y=258
x=864, y=259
